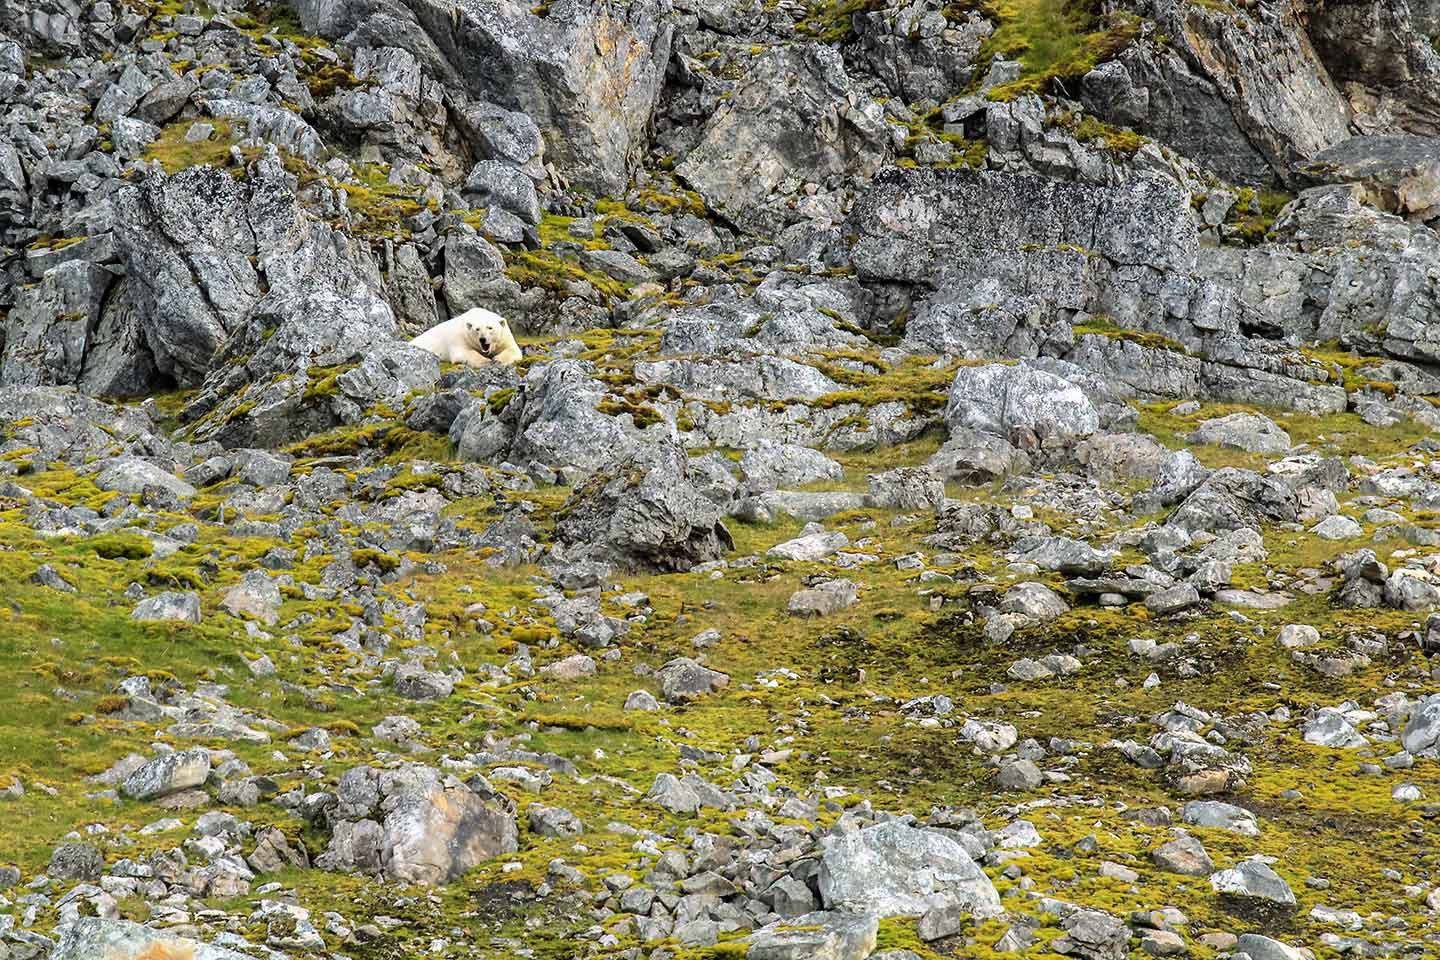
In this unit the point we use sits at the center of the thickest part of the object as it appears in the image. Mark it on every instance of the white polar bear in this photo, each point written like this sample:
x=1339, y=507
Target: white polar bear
x=476, y=337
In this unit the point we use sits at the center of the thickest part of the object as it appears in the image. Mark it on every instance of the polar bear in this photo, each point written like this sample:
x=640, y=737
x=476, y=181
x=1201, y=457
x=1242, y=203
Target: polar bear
x=476, y=337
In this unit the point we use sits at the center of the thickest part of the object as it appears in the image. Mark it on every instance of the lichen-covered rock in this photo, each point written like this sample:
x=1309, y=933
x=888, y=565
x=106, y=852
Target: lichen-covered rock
x=90, y=937
x=645, y=513
x=998, y=397
x=588, y=74
x=796, y=114
x=416, y=825
x=893, y=869
x=168, y=773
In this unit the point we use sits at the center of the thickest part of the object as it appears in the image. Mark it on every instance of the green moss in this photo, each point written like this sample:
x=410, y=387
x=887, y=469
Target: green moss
x=174, y=153
x=1053, y=40
x=120, y=546
x=1104, y=326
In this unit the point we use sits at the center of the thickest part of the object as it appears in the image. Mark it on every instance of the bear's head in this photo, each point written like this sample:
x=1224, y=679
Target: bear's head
x=487, y=332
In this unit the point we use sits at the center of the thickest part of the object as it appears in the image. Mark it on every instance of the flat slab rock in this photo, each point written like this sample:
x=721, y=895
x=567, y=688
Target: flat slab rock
x=92, y=937
x=823, y=935
x=894, y=869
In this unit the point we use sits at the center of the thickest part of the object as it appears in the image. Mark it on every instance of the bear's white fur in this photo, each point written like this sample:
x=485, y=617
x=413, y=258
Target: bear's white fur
x=476, y=337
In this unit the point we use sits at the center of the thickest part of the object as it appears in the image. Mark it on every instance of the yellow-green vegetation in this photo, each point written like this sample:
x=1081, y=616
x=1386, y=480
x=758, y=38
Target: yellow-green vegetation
x=175, y=153
x=831, y=21
x=378, y=207
x=1333, y=434
x=1348, y=368
x=1245, y=225
x=1105, y=326
x=1053, y=40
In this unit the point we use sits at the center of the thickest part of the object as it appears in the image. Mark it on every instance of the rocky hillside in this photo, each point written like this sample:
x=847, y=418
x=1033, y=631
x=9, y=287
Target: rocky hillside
x=972, y=489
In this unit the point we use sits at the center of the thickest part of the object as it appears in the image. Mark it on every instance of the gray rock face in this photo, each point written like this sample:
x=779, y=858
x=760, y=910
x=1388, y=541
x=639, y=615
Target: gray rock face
x=1399, y=174
x=683, y=679
x=796, y=114
x=90, y=937
x=821, y=935
x=893, y=869
x=1153, y=89
x=51, y=327
x=998, y=398
x=179, y=607
x=551, y=420
x=1252, y=879
x=645, y=513
x=431, y=827
x=1230, y=499
x=770, y=466
x=1251, y=432
x=1381, y=54
x=260, y=394
x=942, y=230
x=587, y=74
x=1269, y=73
x=167, y=774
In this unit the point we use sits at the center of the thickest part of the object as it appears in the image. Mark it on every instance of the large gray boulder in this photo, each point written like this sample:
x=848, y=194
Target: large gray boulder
x=645, y=513
x=796, y=114
x=552, y=419
x=997, y=398
x=415, y=825
x=1398, y=173
x=91, y=937
x=587, y=72
x=1231, y=498
x=1253, y=880
x=168, y=773
x=894, y=869
x=132, y=475
x=46, y=334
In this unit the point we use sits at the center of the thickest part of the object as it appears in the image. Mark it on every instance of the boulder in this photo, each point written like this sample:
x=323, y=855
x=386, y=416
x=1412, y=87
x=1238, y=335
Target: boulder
x=825, y=598
x=168, y=607
x=1251, y=432
x=1231, y=498
x=1253, y=880
x=998, y=397
x=770, y=466
x=588, y=74
x=91, y=937
x=645, y=513
x=684, y=679
x=795, y=114
x=132, y=475
x=1398, y=173
x=893, y=869
x=431, y=827
x=821, y=935
x=168, y=773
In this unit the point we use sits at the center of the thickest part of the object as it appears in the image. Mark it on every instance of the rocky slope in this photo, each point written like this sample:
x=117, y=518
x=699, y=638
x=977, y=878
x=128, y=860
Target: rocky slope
x=971, y=490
